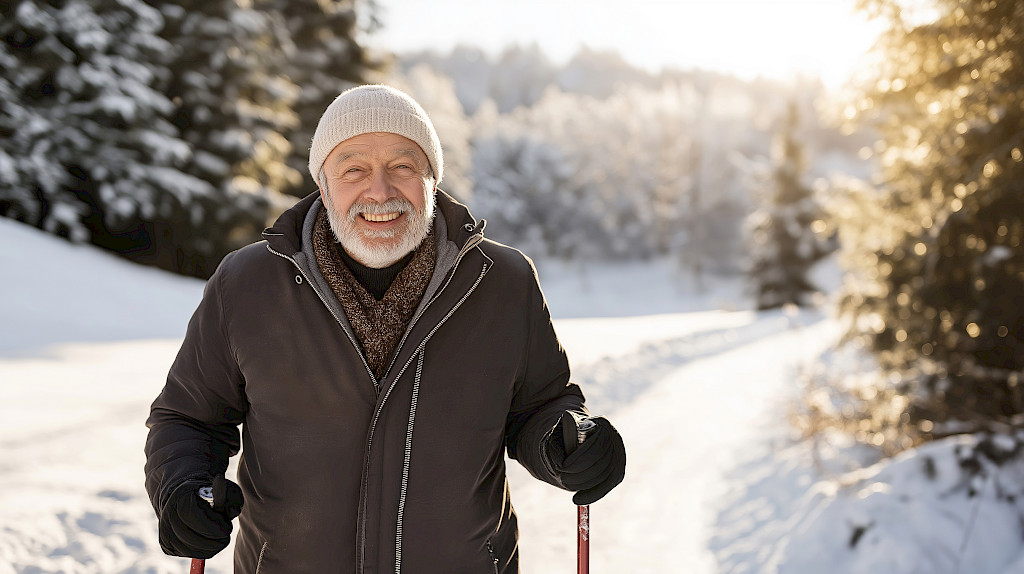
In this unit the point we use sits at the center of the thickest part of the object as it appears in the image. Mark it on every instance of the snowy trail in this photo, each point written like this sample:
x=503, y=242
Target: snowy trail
x=634, y=363
x=683, y=436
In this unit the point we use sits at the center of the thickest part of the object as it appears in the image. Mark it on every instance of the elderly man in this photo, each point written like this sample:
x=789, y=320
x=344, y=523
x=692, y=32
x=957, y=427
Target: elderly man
x=380, y=356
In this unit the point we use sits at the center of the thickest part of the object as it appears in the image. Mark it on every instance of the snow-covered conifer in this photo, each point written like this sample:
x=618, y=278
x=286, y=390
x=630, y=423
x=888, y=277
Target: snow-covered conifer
x=783, y=243
x=231, y=94
x=321, y=57
x=88, y=150
x=524, y=189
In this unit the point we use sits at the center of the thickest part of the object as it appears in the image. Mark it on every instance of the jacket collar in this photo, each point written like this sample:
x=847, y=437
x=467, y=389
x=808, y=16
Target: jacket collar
x=285, y=236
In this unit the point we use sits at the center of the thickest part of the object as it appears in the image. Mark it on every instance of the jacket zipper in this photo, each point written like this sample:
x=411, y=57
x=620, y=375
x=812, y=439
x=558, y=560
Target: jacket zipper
x=259, y=561
x=494, y=558
x=421, y=352
x=405, y=461
x=380, y=406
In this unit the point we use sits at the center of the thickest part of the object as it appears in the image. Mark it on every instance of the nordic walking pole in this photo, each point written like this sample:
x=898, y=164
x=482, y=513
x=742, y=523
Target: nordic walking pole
x=583, y=539
x=574, y=436
x=198, y=564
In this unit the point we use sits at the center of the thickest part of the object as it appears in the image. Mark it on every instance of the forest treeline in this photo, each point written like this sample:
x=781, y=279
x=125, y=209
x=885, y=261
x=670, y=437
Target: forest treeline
x=172, y=132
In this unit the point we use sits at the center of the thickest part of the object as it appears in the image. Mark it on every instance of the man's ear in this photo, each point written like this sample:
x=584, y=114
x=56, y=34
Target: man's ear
x=320, y=188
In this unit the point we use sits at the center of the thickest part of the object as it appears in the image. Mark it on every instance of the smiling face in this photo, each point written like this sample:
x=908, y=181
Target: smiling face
x=379, y=194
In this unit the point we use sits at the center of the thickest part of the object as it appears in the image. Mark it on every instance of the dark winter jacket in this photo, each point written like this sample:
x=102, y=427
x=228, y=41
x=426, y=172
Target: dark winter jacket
x=343, y=473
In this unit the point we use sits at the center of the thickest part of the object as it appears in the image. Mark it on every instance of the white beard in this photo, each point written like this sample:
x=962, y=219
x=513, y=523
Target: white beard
x=379, y=249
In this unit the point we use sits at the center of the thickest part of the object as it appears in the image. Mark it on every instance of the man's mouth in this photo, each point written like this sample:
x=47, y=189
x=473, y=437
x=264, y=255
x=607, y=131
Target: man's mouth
x=381, y=217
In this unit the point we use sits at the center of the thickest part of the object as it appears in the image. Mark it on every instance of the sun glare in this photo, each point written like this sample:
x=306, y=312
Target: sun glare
x=749, y=38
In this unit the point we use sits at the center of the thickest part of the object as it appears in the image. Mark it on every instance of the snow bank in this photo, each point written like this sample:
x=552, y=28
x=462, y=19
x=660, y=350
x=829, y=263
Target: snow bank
x=919, y=512
x=59, y=292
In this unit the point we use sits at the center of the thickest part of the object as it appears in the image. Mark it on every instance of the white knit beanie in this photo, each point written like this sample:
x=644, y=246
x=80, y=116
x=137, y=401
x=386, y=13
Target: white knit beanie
x=374, y=108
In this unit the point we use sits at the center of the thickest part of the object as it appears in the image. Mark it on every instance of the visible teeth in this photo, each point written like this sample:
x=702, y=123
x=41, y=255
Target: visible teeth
x=381, y=217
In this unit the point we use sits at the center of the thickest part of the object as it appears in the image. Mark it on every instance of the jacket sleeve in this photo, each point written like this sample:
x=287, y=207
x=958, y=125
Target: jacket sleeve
x=543, y=391
x=193, y=423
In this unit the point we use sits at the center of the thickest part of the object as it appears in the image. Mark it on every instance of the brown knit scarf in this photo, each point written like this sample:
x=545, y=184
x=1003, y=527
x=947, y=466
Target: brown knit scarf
x=377, y=324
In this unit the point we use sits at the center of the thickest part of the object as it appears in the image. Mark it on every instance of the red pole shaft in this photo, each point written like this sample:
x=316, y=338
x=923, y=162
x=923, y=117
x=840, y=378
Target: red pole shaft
x=198, y=566
x=583, y=539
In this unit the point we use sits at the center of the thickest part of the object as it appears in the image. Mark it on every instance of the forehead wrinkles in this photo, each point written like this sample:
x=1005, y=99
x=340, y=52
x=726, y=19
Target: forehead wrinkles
x=416, y=154
x=386, y=155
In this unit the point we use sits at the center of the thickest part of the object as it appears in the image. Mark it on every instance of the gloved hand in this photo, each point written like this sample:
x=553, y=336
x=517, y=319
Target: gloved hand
x=190, y=527
x=595, y=467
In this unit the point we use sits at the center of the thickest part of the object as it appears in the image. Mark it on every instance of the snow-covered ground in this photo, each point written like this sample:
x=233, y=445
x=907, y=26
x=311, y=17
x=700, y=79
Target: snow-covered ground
x=696, y=383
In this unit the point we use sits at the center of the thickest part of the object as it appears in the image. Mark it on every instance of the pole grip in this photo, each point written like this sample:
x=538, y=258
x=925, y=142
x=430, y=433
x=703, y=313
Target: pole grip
x=574, y=433
x=198, y=564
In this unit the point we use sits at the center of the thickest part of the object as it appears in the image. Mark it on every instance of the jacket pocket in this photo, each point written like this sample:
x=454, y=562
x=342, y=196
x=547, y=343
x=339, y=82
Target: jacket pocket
x=493, y=556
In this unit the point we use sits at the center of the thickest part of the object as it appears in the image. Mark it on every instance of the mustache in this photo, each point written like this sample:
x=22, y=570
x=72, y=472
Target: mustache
x=395, y=204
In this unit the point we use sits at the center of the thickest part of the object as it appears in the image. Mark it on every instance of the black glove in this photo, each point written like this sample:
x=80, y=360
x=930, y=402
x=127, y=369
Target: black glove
x=594, y=467
x=190, y=527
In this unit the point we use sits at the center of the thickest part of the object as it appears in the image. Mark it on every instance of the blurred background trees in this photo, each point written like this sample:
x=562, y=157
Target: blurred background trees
x=786, y=230
x=232, y=101
x=322, y=57
x=172, y=132
x=936, y=289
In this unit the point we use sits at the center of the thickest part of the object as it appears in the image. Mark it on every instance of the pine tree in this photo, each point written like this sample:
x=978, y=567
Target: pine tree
x=86, y=146
x=323, y=58
x=233, y=99
x=232, y=105
x=783, y=243
x=522, y=75
x=936, y=250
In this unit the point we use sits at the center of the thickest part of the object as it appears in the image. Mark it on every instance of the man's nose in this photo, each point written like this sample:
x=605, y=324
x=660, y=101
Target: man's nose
x=380, y=189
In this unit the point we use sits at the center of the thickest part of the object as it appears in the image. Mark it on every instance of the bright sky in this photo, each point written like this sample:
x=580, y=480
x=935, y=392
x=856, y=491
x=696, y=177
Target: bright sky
x=774, y=38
